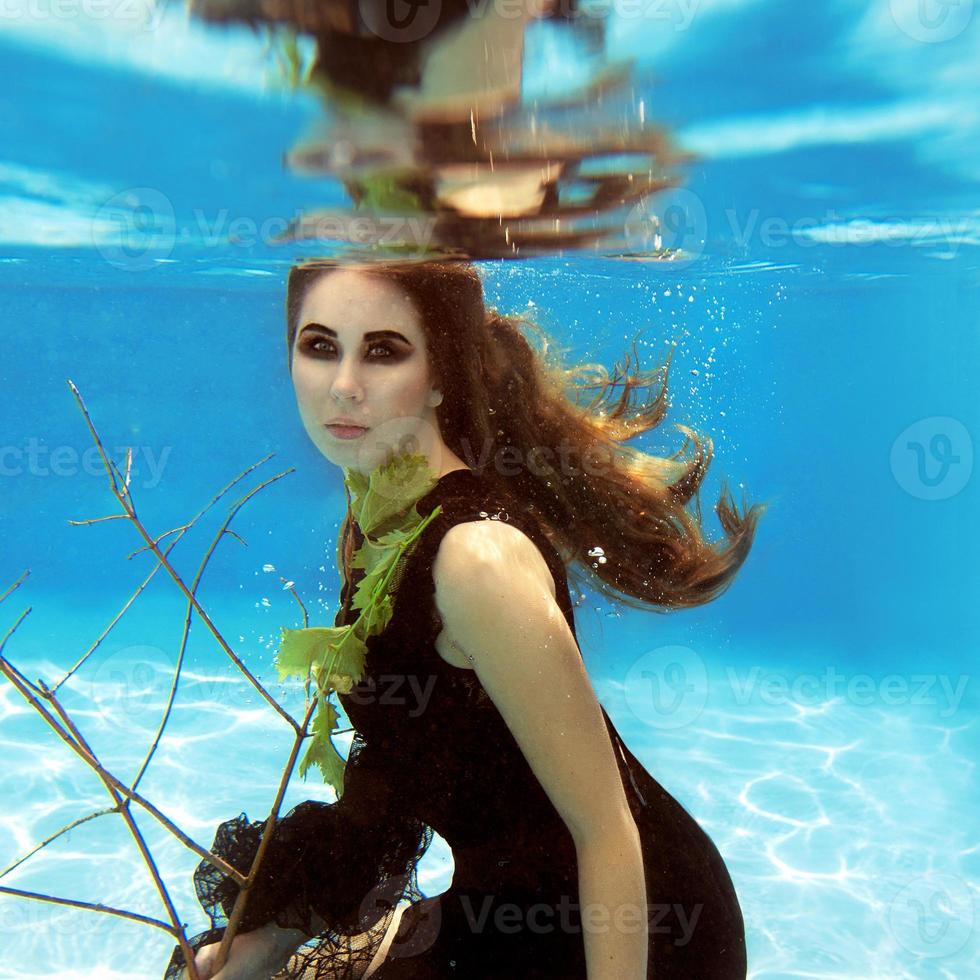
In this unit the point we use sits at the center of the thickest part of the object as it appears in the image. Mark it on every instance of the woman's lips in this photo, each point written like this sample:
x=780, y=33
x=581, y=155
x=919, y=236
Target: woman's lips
x=346, y=431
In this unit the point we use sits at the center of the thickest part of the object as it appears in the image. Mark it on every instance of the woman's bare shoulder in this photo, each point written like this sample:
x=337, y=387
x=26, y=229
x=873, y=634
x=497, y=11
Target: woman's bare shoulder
x=468, y=546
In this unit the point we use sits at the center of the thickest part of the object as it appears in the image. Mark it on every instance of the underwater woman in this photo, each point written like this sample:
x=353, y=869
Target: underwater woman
x=571, y=862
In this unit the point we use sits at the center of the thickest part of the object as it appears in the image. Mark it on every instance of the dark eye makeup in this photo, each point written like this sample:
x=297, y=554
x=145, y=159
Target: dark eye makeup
x=311, y=346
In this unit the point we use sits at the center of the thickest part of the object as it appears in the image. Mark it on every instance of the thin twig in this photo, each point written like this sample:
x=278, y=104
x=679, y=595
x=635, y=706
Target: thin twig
x=73, y=903
x=3, y=643
x=306, y=618
x=16, y=584
x=100, y=520
x=64, y=830
x=241, y=900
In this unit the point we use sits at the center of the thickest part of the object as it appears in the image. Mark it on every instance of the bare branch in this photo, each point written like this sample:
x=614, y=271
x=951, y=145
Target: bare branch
x=241, y=901
x=174, y=530
x=306, y=618
x=100, y=520
x=56, y=835
x=6, y=665
x=16, y=584
x=235, y=534
x=107, y=909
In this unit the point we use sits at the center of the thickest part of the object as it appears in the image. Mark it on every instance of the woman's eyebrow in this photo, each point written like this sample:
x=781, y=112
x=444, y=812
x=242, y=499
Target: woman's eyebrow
x=371, y=335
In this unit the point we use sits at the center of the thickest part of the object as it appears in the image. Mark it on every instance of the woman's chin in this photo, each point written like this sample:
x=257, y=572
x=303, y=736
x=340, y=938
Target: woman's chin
x=358, y=459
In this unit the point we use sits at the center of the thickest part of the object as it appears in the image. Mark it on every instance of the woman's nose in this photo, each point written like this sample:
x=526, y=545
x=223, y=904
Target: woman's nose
x=346, y=382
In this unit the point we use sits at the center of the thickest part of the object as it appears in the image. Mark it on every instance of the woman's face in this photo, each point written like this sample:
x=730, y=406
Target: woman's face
x=359, y=354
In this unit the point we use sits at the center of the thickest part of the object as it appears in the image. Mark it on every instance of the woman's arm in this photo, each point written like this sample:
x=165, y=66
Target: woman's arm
x=614, y=905
x=322, y=871
x=494, y=592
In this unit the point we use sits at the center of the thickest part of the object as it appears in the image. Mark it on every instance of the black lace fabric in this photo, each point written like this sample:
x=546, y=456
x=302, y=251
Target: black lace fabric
x=349, y=863
x=448, y=763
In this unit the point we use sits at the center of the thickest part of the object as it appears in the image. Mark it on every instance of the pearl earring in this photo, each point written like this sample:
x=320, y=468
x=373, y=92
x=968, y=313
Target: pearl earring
x=435, y=398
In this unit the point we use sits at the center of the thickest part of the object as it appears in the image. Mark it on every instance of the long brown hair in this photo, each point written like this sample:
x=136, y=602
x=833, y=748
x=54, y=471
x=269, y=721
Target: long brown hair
x=508, y=410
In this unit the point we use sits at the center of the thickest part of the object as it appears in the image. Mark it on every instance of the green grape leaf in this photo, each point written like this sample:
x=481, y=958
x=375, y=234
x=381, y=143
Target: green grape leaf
x=346, y=664
x=385, y=192
x=372, y=554
x=321, y=751
x=336, y=647
x=394, y=488
x=369, y=589
x=378, y=615
x=299, y=649
x=358, y=485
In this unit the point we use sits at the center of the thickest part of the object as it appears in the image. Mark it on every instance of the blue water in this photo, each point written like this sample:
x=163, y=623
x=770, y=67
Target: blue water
x=820, y=719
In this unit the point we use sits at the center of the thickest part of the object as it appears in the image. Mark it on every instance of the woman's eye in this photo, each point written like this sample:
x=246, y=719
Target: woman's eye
x=322, y=346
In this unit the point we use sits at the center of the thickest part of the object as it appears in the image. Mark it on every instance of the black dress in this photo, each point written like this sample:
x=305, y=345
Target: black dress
x=431, y=752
